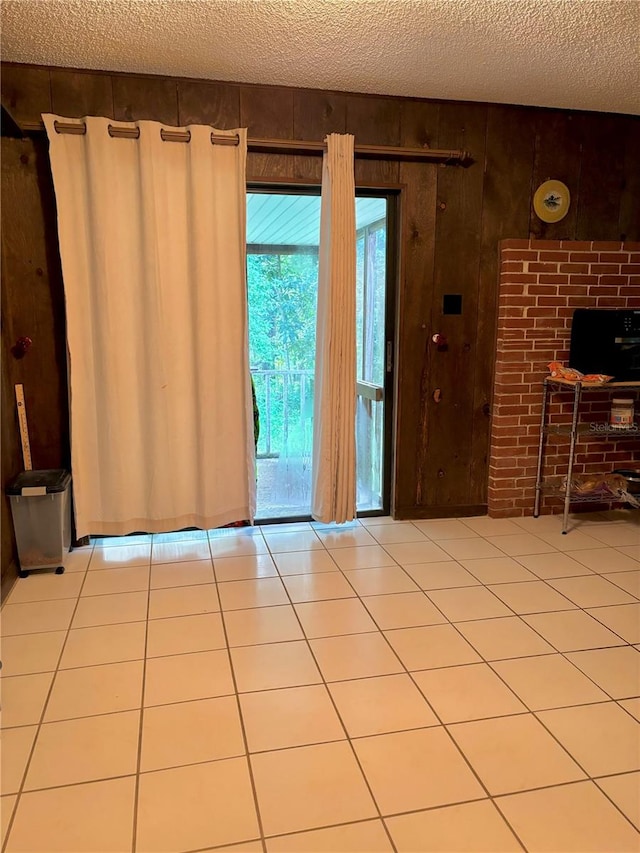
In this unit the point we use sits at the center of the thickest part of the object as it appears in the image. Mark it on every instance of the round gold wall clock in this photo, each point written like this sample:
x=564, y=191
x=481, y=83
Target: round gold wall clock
x=551, y=201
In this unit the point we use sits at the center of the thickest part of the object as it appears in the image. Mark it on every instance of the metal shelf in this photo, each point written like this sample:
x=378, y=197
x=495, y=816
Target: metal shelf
x=586, y=429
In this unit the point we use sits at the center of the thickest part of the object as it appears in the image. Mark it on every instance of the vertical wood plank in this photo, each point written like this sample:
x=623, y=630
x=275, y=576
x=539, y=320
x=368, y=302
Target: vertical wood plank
x=267, y=113
x=629, y=223
x=557, y=156
x=75, y=94
x=374, y=121
x=315, y=114
x=457, y=271
x=601, y=177
x=145, y=98
x=413, y=354
x=505, y=213
x=26, y=92
x=217, y=104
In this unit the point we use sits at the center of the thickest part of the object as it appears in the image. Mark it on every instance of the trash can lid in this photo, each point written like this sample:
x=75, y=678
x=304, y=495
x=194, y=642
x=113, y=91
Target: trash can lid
x=53, y=480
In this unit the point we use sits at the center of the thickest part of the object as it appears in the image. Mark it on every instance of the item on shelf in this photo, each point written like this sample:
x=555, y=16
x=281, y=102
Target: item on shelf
x=621, y=416
x=607, y=486
x=570, y=374
x=632, y=478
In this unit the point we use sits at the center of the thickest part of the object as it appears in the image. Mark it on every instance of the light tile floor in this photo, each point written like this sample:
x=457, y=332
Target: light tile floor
x=446, y=685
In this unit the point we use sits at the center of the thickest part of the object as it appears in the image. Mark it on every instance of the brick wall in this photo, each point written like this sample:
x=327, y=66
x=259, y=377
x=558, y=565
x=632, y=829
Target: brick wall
x=542, y=282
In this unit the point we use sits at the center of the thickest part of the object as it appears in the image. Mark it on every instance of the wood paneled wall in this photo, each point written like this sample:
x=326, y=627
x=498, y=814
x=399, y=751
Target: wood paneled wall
x=452, y=219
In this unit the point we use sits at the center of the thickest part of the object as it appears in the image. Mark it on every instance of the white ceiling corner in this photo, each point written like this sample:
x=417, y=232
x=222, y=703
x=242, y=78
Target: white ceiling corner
x=575, y=54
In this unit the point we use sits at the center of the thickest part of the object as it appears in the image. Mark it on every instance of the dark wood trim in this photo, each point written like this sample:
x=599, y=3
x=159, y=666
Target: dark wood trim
x=414, y=512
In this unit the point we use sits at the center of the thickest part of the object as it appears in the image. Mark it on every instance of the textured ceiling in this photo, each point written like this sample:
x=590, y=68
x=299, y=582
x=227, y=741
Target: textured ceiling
x=578, y=54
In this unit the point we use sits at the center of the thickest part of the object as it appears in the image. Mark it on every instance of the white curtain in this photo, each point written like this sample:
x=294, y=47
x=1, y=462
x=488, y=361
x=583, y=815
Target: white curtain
x=334, y=443
x=152, y=241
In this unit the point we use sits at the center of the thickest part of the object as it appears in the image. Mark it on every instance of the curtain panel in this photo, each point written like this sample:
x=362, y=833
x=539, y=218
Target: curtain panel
x=152, y=241
x=334, y=442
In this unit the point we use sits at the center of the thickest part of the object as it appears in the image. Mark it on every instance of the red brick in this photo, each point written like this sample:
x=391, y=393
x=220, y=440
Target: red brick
x=614, y=257
x=551, y=300
x=576, y=268
x=547, y=278
x=538, y=267
x=576, y=245
x=634, y=257
x=520, y=255
x=541, y=312
x=606, y=245
x=554, y=256
x=518, y=278
x=605, y=269
x=545, y=244
x=511, y=266
x=631, y=269
x=611, y=302
x=631, y=245
x=514, y=244
x=583, y=279
x=584, y=257
x=573, y=290
x=613, y=279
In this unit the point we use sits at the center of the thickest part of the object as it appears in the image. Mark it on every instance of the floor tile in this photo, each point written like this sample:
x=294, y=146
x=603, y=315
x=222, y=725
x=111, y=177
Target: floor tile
x=602, y=738
x=575, y=541
x=92, y=818
x=572, y=630
x=38, y=617
x=534, y=597
x=237, y=546
x=498, y=639
x=304, y=562
x=242, y=595
x=181, y=574
x=605, y=560
x=77, y=560
x=179, y=536
x=45, y=587
x=485, y=526
x=346, y=538
x=472, y=827
x=622, y=619
x=521, y=543
x=407, y=553
x=274, y=665
x=243, y=847
x=95, y=690
x=403, y=610
x=431, y=646
x=554, y=565
x=305, y=540
x=415, y=770
x=317, y=587
x=445, y=575
x=354, y=656
x=122, y=541
x=577, y=818
x=371, y=706
x=470, y=549
x=29, y=653
x=190, y=732
x=498, y=570
x=309, y=787
x=296, y=526
x=23, y=698
x=363, y=557
x=177, y=809
x=7, y=805
x=468, y=603
x=632, y=706
x=616, y=671
x=132, y=579
x=177, y=552
x=181, y=634
x=294, y=716
x=16, y=749
x=335, y=617
x=632, y=551
x=381, y=581
x=592, y=591
x=623, y=790
x=629, y=581
x=110, y=609
x=180, y=678
x=447, y=528
x=391, y=533
x=366, y=837
x=84, y=750
x=262, y=625
x=120, y=557
x=616, y=534
x=514, y=754
x=248, y=567
x=548, y=682
x=186, y=601
x=106, y=644
x=470, y=692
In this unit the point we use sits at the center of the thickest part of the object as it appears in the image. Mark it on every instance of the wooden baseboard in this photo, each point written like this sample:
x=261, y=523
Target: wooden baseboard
x=411, y=513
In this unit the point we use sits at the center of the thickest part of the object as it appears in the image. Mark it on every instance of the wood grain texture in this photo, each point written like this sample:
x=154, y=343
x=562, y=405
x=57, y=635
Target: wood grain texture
x=208, y=103
x=629, y=222
x=374, y=121
x=75, y=94
x=456, y=271
x=267, y=113
x=26, y=92
x=557, y=156
x=316, y=114
x=509, y=162
x=601, y=177
x=145, y=98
